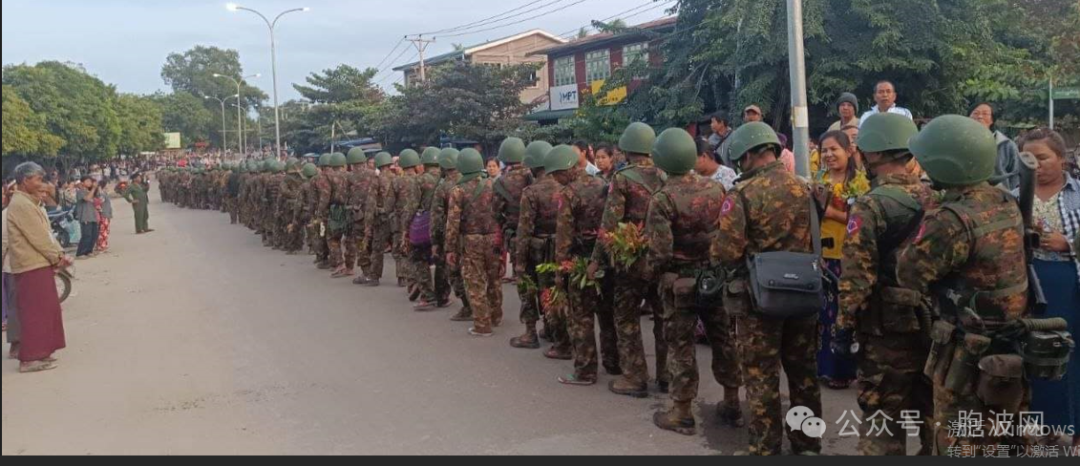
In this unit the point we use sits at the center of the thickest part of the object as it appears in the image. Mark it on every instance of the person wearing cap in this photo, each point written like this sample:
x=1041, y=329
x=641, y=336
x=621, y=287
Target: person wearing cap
x=885, y=96
x=752, y=113
x=847, y=106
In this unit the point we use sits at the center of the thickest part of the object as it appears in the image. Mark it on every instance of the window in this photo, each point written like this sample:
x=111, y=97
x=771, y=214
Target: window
x=597, y=65
x=534, y=79
x=564, y=71
x=632, y=53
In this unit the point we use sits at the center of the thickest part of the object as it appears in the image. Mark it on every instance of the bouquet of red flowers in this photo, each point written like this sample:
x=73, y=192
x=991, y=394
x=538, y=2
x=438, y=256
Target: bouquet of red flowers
x=626, y=245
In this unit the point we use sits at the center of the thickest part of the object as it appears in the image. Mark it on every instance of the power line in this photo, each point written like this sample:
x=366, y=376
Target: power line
x=402, y=41
x=388, y=75
x=516, y=22
x=619, y=16
x=485, y=20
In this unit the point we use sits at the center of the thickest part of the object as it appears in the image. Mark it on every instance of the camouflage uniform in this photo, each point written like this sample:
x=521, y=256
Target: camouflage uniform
x=301, y=215
x=242, y=199
x=578, y=221
x=471, y=225
x=680, y=225
x=337, y=227
x=508, y=190
x=418, y=200
x=402, y=185
x=271, y=221
x=769, y=210
x=445, y=277
x=361, y=185
x=289, y=199
x=535, y=246
x=320, y=214
x=951, y=254
x=381, y=228
x=628, y=202
x=890, y=333
x=232, y=194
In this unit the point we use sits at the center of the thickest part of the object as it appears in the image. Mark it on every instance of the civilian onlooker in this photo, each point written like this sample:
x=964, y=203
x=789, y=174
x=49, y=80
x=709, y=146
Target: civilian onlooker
x=493, y=169
x=583, y=150
x=1007, y=171
x=1057, y=212
x=6, y=287
x=34, y=258
x=787, y=157
x=885, y=96
x=752, y=114
x=852, y=133
x=847, y=106
x=618, y=157
x=87, y=216
x=105, y=214
x=708, y=165
x=605, y=161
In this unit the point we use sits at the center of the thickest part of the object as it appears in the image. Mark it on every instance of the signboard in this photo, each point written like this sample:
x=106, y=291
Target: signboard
x=1067, y=93
x=172, y=140
x=615, y=96
x=564, y=97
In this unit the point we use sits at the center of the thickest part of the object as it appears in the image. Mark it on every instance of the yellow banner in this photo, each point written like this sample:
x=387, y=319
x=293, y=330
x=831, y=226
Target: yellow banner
x=616, y=95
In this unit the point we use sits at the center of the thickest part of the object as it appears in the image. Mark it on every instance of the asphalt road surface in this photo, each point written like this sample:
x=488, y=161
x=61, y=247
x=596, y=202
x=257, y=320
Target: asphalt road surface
x=197, y=340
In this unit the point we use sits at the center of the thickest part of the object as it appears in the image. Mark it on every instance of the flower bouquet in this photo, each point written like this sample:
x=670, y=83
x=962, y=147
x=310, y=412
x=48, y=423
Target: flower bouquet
x=626, y=245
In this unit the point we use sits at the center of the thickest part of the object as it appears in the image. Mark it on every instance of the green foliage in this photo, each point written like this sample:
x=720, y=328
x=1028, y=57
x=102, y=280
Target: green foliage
x=24, y=130
x=341, y=96
x=186, y=114
x=140, y=124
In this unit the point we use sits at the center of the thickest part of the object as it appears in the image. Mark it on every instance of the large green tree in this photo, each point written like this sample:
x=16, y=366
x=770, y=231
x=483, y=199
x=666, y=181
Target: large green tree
x=192, y=72
x=25, y=132
x=186, y=114
x=140, y=124
x=338, y=99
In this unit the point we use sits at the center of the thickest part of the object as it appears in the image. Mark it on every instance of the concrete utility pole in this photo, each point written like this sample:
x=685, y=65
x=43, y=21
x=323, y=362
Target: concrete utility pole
x=421, y=45
x=800, y=118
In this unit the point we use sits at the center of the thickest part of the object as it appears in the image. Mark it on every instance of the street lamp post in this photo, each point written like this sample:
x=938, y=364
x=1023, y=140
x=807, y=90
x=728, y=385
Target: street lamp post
x=241, y=141
x=222, y=102
x=273, y=61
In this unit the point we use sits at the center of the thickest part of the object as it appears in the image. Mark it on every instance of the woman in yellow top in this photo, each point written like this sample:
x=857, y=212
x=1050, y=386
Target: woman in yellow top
x=838, y=182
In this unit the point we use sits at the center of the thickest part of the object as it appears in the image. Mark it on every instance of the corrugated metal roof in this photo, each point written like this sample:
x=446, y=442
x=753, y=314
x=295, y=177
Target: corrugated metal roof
x=597, y=40
x=461, y=54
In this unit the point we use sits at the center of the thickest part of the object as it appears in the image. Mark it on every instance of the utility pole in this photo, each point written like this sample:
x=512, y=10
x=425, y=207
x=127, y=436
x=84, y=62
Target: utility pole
x=800, y=118
x=421, y=44
x=1051, y=103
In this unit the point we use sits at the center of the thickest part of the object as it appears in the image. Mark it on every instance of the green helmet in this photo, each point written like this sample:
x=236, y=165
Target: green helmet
x=560, y=158
x=675, y=152
x=751, y=136
x=638, y=139
x=277, y=166
x=292, y=164
x=408, y=159
x=512, y=150
x=324, y=160
x=383, y=159
x=884, y=132
x=264, y=166
x=535, y=154
x=470, y=161
x=242, y=168
x=448, y=158
x=955, y=151
x=356, y=156
x=337, y=159
x=309, y=171
x=430, y=156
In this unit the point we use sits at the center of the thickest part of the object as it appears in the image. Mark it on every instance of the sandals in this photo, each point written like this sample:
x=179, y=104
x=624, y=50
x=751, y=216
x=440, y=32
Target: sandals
x=573, y=379
x=36, y=366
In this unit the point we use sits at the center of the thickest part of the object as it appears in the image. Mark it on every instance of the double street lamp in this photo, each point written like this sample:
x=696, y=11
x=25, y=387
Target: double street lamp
x=222, y=102
x=241, y=144
x=273, y=59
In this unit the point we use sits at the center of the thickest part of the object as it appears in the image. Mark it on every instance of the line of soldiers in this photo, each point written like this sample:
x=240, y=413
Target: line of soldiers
x=960, y=249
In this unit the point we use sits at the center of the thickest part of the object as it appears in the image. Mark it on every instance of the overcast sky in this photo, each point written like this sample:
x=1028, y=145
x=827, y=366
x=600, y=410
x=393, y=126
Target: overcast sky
x=125, y=42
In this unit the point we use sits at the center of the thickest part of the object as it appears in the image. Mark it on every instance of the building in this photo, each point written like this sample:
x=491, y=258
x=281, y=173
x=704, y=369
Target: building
x=513, y=50
x=584, y=65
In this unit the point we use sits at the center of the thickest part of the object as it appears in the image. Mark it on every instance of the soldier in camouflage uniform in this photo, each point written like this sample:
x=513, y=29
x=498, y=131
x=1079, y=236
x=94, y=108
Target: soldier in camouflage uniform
x=403, y=184
x=628, y=202
x=320, y=212
x=232, y=193
x=523, y=260
x=508, y=189
x=445, y=278
x=888, y=321
x=338, y=219
x=471, y=226
x=361, y=184
x=289, y=239
x=242, y=196
x=579, y=212
x=969, y=254
x=769, y=210
x=379, y=230
x=274, y=224
x=418, y=202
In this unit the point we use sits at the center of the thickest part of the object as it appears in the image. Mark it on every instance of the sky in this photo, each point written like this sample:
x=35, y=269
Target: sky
x=125, y=42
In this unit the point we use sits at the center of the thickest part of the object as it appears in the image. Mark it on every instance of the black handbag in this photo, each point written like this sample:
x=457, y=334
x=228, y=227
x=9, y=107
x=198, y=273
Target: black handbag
x=789, y=284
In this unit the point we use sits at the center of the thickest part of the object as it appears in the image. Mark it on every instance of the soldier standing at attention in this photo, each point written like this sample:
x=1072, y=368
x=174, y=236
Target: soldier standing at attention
x=320, y=212
x=418, y=210
x=408, y=161
x=889, y=322
x=299, y=216
x=337, y=219
x=361, y=185
x=768, y=211
x=445, y=279
x=288, y=239
x=970, y=254
x=472, y=228
x=524, y=263
x=508, y=188
x=380, y=229
x=628, y=202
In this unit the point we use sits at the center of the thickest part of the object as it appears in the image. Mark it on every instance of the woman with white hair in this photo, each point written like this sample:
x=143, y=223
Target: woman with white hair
x=34, y=259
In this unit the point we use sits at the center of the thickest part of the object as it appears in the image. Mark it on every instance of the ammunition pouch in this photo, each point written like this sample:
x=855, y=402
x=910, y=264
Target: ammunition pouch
x=736, y=298
x=942, y=337
x=338, y=220
x=542, y=249
x=1001, y=382
x=893, y=311
x=710, y=287
x=1046, y=349
x=964, y=370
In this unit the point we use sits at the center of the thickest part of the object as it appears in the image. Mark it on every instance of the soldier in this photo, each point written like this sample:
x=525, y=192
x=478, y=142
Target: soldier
x=299, y=217
x=471, y=227
x=274, y=226
x=320, y=212
x=417, y=214
x=380, y=229
x=508, y=189
x=969, y=254
x=681, y=223
x=889, y=321
x=445, y=279
x=243, y=186
x=232, y=193
x=536, y=246
x=289, y=239
x=768, y=211
x=136, y=195
x=337, y=215
x=628, y=202
x=361, y=182
x=404, y=183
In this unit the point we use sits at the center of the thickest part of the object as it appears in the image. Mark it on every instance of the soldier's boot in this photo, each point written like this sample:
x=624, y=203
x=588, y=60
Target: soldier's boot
x=414, y=293
x=612, y=367
x=464, y=315
x=679, y=419
x=559, y=353
x=545, y=335
x=529, y=340
x=663, y=386
x=729, y=412
x=323, y=265
x=622, y=386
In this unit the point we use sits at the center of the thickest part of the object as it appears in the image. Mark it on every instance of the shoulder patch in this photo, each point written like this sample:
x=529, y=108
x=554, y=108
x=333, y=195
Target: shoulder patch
x=854, y=225
x=921, y=233
x=729, y=204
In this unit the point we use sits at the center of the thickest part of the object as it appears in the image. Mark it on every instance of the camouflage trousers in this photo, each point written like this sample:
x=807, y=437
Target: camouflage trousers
x=401, y=262
x=230, y=206
x=769, y=344
x=269, y=226
x=447, y=279
x=585, y=305
x=420, y=270
x=357, y=251
x=380, y=240
x=680, y=321
x=950, y=438
x=630, y=292
x=480, y=270
x=334, y=242
x=891, y=381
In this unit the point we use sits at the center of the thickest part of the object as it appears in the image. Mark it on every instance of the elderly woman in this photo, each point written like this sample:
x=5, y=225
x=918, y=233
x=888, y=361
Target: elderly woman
x=34, y=256
x=1007, y=171
x=1057, y=211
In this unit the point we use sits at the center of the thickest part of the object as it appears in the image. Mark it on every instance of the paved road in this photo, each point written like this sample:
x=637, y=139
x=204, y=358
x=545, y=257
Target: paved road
x=196, y=340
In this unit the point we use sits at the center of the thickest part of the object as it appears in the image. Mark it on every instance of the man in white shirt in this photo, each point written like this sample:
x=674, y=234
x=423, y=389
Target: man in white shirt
x=583, y=149
x=885, y=96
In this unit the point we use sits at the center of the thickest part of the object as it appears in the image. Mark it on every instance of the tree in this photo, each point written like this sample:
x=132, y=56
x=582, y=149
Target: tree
x=25, y=132
x=339, y=96
x=140, y=124
x=193, y=71
x=186, y=114
x=77, y=107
